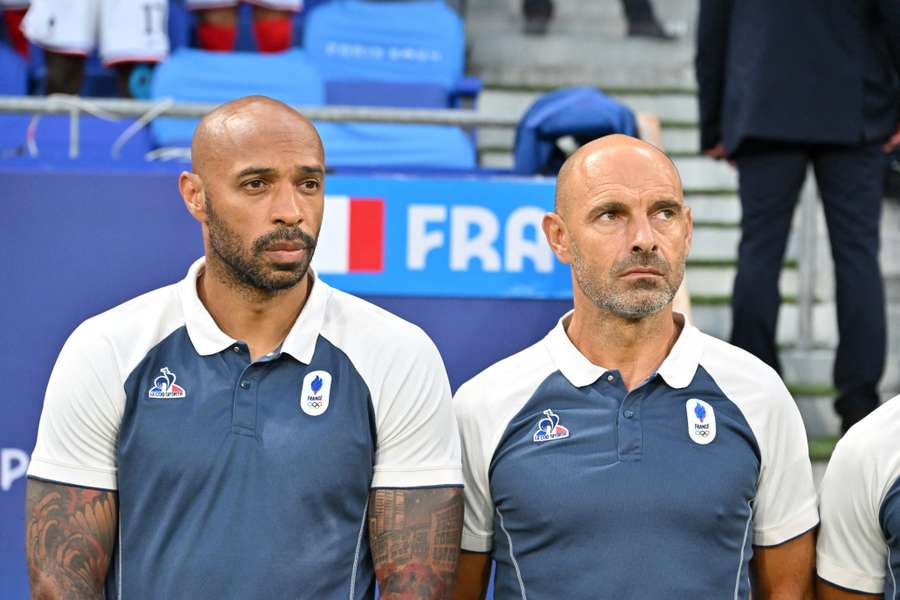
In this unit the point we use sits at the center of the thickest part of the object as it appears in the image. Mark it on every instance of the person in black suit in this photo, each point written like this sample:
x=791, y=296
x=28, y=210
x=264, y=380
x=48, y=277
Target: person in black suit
x=788, y=83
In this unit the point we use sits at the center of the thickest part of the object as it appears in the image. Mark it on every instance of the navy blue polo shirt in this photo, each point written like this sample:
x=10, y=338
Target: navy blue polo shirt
x=859, y=541
x=240, y=479
x=581, y=489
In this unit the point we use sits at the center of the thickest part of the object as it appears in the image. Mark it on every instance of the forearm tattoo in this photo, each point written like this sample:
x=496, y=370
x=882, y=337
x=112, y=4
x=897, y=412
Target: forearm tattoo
x=69, y=537
x=414, y=536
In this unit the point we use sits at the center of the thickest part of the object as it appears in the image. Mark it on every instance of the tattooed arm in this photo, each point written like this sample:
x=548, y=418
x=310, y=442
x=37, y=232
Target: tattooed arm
x=414, y=535
x=69, y=537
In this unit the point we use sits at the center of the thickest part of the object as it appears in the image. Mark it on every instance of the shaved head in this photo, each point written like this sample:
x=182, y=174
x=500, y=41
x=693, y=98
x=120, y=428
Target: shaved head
x=220, y=134
x=613, y=159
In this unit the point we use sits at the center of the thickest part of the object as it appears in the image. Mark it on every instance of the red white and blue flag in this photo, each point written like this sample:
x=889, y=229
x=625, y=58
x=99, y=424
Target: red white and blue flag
x=352, y=236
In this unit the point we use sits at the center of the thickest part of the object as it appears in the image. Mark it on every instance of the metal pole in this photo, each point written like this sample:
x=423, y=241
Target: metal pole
x=806, y=259
x=74, y=142
x=135, y=108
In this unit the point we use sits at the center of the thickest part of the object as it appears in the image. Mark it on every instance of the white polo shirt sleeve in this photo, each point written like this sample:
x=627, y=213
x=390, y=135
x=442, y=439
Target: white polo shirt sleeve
x=478, y=521
x=852, y=551
x=417, y=438
x=785, y=506
x=76, y=441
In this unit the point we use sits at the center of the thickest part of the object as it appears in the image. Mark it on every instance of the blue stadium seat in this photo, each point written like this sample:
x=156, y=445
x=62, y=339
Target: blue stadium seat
x=411, y=43
x=581, y=112
x=13, y=72
x=397, y=147
x=399, y=54
x=192, y=75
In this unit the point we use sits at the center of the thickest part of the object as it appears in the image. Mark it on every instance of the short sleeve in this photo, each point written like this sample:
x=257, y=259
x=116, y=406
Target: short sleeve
x=785, y=505
x=417, y=439
x=851, y=551
x=78, y=430
x=478, y=522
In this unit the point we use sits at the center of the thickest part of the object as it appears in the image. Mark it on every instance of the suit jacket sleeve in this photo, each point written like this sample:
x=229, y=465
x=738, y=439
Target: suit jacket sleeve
x=710, y=63
x=889, y=11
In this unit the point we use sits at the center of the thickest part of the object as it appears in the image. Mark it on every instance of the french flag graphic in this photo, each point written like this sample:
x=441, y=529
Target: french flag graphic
x=352, y=236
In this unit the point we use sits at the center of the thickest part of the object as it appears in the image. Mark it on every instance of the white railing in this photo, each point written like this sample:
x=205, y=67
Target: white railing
x=145, y=111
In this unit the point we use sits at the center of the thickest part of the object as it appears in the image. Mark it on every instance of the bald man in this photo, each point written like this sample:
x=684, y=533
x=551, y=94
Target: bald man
x=627, y=454
x=248, y=432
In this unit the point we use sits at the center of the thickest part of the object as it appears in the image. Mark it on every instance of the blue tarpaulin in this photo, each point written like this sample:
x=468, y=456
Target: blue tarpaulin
x=583, y=113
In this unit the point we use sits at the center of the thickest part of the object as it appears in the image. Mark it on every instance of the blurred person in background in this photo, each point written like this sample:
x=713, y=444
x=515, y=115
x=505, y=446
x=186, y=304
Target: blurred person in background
x=129, y=34
x=272, y=24
x=13, y=13
x=785, y=85
x=639, y=14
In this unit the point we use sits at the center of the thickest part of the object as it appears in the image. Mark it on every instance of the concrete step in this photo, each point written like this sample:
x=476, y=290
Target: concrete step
x=585, y=45
x=696, y=171
x=677, y=141
x=714, y=208
x=667, y=106
x=718, y=280
x=819, y=415
x=716, y=320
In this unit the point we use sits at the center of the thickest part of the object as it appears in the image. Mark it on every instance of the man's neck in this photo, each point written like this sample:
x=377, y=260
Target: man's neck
x=261, y=319
x=636, y=348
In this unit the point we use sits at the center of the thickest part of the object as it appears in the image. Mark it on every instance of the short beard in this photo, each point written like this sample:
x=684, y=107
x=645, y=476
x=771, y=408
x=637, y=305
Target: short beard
x=630, y=305
x=249, y=269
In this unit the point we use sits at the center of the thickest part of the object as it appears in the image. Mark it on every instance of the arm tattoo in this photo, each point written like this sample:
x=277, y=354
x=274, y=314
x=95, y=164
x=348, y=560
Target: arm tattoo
x=69, y=537
x=414, y=536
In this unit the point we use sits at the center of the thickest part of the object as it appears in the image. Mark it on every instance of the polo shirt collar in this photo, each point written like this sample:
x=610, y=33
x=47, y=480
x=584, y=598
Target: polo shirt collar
x=677, y=369
x=680, y=366
x=208, y=339
x=574, y=365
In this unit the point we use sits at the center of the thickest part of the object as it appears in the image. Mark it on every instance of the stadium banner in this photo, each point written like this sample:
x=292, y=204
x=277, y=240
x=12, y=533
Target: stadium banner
x=464, y=258
x=439, y=237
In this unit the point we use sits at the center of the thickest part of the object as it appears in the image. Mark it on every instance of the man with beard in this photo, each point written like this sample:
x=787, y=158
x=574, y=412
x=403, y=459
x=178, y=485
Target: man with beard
x=627, y=454
x=248, y=432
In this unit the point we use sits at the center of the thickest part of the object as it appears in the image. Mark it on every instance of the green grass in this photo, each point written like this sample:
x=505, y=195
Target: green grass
x=820, y=448
x=720, y=263
x=725, y=300
x=811, y=389
x=729, y=192
x=609, y=90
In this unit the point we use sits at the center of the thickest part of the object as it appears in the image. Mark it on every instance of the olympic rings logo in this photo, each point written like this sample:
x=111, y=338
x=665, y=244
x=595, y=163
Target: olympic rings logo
x=314, y=403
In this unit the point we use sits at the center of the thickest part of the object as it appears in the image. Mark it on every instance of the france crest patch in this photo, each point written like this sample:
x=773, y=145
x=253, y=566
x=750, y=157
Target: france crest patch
x=315, y=393
x=701, y=419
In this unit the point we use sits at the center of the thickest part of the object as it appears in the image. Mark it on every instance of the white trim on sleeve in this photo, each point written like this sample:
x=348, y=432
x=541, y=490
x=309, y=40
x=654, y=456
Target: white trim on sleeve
x=848, y=579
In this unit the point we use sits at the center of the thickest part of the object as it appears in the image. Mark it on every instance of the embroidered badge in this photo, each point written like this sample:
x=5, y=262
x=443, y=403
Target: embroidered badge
x=701, y=419
x=315, y=393
x=549, y=428
x=164, y=386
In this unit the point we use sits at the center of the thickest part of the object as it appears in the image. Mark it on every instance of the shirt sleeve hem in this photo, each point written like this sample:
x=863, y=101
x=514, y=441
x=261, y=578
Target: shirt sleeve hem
x=63, y=474
x=472, y=542
x=848, y=579
x=400, y=478
x=800, y=524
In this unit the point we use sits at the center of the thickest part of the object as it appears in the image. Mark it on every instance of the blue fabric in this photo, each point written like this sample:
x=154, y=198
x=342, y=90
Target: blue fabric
x=13, y=72
x=192, y=75
x=381, y=144
x=385, y=93
x=252, y=498
x=51, y=136
x=584, y=113
x=623, y=495
x=421, y=42
x=889, y=518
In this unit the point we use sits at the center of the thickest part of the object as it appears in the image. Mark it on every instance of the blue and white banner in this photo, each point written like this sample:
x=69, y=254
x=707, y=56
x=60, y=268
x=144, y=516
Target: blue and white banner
x=440, y=237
